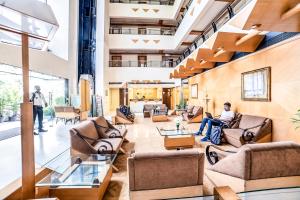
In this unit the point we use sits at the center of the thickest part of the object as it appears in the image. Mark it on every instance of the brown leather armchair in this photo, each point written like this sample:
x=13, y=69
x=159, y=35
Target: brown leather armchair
x=193, y=114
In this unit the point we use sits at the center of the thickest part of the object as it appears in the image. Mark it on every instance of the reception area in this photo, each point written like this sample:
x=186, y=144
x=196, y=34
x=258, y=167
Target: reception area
x=142, y=100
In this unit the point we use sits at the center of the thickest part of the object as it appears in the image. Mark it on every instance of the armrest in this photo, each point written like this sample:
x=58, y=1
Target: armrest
x=213, y=157
x=247, y=135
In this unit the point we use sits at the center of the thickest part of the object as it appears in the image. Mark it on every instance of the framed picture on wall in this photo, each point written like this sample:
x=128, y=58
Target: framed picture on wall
x=194, y=91
x=256, y=85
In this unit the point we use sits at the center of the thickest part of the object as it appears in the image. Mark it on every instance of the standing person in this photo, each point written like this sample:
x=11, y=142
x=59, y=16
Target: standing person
x=226, y=116
x=38, y=100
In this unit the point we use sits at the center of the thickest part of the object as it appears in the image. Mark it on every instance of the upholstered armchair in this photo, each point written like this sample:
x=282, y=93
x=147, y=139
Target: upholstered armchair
x=248, y=130
x=257, y=166
x=124, y=118
x=165, y=175
x=193, y=114
x=86, y=139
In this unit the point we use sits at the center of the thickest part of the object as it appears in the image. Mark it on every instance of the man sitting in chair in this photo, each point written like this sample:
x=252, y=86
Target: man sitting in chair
x=226, y=116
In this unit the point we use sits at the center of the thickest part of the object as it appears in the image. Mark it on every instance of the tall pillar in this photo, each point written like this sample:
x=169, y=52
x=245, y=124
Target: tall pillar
x=27, y=141
x=102, y=51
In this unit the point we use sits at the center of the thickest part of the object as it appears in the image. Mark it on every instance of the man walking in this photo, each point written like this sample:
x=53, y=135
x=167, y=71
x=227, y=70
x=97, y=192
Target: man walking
x=38, y=101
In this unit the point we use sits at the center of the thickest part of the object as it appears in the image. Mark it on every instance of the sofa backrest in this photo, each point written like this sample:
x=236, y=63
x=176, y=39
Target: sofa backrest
x=148, y=107
x=189, y=108
x=197, y=110
x=262, y=160
x=87, y=128
x=160, y=170
x=248, y=121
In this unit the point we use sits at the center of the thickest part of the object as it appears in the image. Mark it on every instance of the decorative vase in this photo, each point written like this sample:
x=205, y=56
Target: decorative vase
x=177, y=126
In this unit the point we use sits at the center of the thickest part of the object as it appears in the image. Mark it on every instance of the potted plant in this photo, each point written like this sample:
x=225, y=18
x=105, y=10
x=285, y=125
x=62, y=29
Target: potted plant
x=296, y=119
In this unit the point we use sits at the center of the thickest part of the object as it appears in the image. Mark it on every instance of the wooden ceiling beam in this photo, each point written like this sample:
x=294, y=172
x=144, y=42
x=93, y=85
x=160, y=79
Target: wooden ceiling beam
x=252, y=33
x=186, y=43
x=230, y=1
x=291, y=12
x=194, y=32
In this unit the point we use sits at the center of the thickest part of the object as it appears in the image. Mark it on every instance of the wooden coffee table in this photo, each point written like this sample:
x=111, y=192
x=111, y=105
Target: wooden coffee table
x=174, y=139
x=80, y=177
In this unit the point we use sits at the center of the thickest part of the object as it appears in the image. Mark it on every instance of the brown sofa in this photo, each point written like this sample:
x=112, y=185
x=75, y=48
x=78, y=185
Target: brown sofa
x=258, y=166
x=87, y=138
x=120, y=118
x=163, y=175
x=193, y=114
x=249, y=129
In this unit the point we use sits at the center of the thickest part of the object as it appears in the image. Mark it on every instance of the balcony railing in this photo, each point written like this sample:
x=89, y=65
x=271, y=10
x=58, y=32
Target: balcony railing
x=142, y=31
x=152, y=2
x=213, y=27
x=153, y=63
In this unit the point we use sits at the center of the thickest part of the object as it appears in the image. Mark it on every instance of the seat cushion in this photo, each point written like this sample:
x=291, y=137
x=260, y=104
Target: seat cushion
x=233, y=136
x=196, y=110
x=104, y=147
x=112, y=132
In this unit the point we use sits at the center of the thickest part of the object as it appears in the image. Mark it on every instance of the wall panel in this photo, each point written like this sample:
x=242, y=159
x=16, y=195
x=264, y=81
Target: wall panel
x=224, y=84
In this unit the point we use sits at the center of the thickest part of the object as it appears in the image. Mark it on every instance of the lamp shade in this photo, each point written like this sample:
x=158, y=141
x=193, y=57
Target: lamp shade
x=33, y=17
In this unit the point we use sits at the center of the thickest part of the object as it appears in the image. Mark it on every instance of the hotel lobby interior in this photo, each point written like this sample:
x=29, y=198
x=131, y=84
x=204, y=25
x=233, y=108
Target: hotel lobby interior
x=150, y=99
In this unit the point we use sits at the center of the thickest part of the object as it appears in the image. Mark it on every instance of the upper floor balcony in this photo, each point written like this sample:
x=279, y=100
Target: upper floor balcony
x=151, y=2
x=142, y=30
x=146, y=9
x=151, y=63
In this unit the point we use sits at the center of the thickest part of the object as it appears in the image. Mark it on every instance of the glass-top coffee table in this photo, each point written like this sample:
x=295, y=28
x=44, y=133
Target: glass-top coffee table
x=78, y=176
x=177, y=138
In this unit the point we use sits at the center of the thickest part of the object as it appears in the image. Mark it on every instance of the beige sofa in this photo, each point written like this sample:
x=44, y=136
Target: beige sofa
x=96, y=137
x=250, y=129
x=258, y=166
x=163, y=175
x=193, y=114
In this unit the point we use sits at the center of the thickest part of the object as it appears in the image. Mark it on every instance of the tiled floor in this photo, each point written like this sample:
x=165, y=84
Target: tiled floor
x=143, y=137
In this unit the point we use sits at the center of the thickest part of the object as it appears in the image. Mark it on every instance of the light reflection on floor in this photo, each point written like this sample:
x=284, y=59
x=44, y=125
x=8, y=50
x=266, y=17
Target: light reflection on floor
x=47, y=146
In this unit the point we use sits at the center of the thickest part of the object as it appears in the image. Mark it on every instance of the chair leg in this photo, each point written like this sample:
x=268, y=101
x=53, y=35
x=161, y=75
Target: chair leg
x=115, y=168
x=122, y=150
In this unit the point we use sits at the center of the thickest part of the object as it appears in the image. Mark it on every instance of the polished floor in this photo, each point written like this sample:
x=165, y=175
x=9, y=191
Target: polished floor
x=47, y=146
x=143, y=136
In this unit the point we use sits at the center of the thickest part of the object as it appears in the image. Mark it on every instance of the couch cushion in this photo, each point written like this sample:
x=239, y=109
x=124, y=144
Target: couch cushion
x=148, y=107
x=233, y=136
x=114, y=132
x=190, y=108
x=104, y=147
x=87, y=128
x=248, y=121
x=196, y=110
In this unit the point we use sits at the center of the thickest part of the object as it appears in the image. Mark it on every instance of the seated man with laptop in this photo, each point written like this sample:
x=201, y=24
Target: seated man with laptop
x=226, y=116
